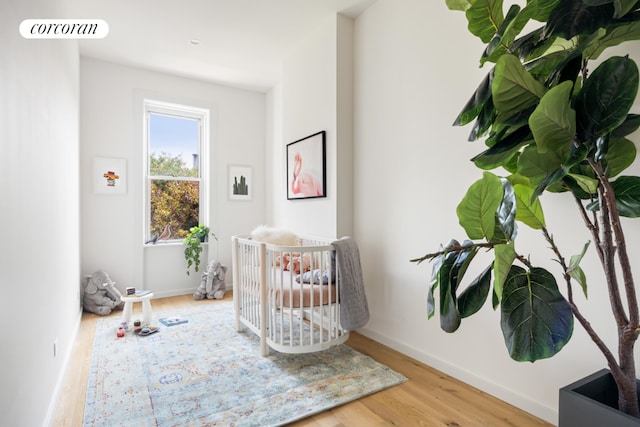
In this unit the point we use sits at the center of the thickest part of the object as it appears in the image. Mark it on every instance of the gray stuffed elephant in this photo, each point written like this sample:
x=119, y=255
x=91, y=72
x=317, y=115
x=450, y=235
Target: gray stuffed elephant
x=99, y=295
x=212, y=285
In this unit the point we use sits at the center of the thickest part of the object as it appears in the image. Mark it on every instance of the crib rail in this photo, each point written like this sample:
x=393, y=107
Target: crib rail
x=288, y=315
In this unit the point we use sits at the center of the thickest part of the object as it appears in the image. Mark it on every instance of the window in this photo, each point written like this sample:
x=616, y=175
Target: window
x=176, y=169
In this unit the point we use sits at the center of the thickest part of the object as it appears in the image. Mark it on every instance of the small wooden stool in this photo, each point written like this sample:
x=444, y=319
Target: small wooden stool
x=146, y=307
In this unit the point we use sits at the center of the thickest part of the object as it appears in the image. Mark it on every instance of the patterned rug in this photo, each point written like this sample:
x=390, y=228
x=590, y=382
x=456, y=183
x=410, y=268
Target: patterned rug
x=204, y=373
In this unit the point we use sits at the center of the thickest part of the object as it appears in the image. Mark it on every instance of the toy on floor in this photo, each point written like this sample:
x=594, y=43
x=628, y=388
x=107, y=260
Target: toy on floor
x=212, y=285
x=148, y=331
x=172, y=321
x=99, y=295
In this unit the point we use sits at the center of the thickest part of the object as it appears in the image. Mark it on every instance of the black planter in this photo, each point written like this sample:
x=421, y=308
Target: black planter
x=593, y=402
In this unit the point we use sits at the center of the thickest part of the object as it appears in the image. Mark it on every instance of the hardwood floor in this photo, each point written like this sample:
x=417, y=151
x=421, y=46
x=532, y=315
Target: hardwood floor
x=429, y=399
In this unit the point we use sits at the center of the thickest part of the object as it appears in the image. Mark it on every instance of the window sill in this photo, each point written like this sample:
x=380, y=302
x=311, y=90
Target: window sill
x=170, y=243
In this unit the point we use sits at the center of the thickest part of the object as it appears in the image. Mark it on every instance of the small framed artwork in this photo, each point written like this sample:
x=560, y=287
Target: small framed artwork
x=239, y=183
x=306, y=167
x=109, y=175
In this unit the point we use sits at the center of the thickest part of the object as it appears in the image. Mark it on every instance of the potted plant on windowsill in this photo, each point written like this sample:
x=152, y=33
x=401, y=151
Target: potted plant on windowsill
x=553, y=125
x=193, y=245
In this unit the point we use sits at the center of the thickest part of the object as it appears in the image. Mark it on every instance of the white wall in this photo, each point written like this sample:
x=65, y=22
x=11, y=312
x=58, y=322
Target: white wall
x=312, y=77
x=111, y=102
x=416, y=66
x=39, y=257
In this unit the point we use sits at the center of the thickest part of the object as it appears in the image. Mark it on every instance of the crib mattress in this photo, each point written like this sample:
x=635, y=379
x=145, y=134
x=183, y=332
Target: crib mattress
x=312, y=295
x=284, y=282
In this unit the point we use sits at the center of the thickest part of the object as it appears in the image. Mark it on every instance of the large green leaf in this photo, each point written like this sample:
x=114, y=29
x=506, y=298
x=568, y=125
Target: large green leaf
x=573, y=17
x=602, y=147
x=492, y=161
x=477, y=101
x=542, y=8
x=606, y=97
x=484, y=122
x=546, y=169
x=571, y=185
x=613, y=36
x=621, y=6
x=627, y=189
x=620, y=155
x=485, y=17
x=477, y=210
x=451, y=273
x=553, y=179
x=569, y=70
x=475, y=295
x=506, y=143
x=529, y=210
x=553, y=58
x=630, y=125
x=504, y=38
x=506, y=228
x=586, y=183
x=433, y=284
x=530, y=45
x=511, y=165
x=553, y=123
x=435, y=277
x=462, y=263
x=536, y=320
x=514, y=89
x=449, y=317
x=536, y=166
x=504, y=256
x=596, y=2
x=458, y=4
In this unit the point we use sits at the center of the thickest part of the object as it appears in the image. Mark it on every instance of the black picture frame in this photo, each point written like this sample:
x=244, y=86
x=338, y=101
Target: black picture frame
x=306, y=167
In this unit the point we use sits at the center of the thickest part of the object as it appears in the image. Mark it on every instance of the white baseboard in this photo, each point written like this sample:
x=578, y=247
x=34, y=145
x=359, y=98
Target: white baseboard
x=173, y=293
x=179, y=292
x=53, y=404
x=546, y=413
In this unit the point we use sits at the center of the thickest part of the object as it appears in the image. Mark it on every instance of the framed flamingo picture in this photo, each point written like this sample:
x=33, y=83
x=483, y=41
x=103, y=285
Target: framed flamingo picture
x=306, y=167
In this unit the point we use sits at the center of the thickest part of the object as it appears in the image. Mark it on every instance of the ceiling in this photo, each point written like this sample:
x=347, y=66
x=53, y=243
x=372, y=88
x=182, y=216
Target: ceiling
x=241, y=42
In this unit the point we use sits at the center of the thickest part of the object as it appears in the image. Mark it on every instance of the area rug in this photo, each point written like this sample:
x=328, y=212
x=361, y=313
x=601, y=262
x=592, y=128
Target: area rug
x=204, y=373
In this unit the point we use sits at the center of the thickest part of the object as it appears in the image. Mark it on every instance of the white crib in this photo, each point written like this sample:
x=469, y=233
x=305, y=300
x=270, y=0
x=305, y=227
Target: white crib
x=288, y=315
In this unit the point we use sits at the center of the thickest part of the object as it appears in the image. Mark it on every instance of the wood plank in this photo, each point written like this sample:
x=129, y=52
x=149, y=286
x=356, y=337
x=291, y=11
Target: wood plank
x=429, y=399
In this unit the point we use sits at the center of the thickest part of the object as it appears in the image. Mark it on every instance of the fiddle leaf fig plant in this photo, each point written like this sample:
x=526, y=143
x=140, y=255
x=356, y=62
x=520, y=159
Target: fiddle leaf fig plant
x=552, y=120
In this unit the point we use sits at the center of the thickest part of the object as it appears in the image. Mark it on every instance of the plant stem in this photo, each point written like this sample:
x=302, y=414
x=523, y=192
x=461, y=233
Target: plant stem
x=608, y=354
x=455, y=248
x=611, y=244
x=625, y=376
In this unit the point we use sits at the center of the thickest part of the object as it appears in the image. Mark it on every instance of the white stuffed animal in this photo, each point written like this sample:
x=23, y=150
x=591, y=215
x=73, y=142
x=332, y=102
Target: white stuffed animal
x=212, y=285
x=99, y=294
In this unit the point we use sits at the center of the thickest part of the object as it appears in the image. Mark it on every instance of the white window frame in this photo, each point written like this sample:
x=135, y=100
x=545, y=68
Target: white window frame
x=202, y=115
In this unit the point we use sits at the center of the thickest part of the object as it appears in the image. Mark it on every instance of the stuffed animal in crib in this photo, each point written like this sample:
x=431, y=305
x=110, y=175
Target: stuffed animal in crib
x=99, y=294
x=295, y=262
x=212, y=285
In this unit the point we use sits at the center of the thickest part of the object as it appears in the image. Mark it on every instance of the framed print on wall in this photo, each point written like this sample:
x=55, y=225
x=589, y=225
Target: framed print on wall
x=239, y=183
x=109, y=175
x=306, y=167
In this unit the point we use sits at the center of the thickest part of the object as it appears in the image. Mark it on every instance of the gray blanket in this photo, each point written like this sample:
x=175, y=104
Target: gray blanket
x=354, y=310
